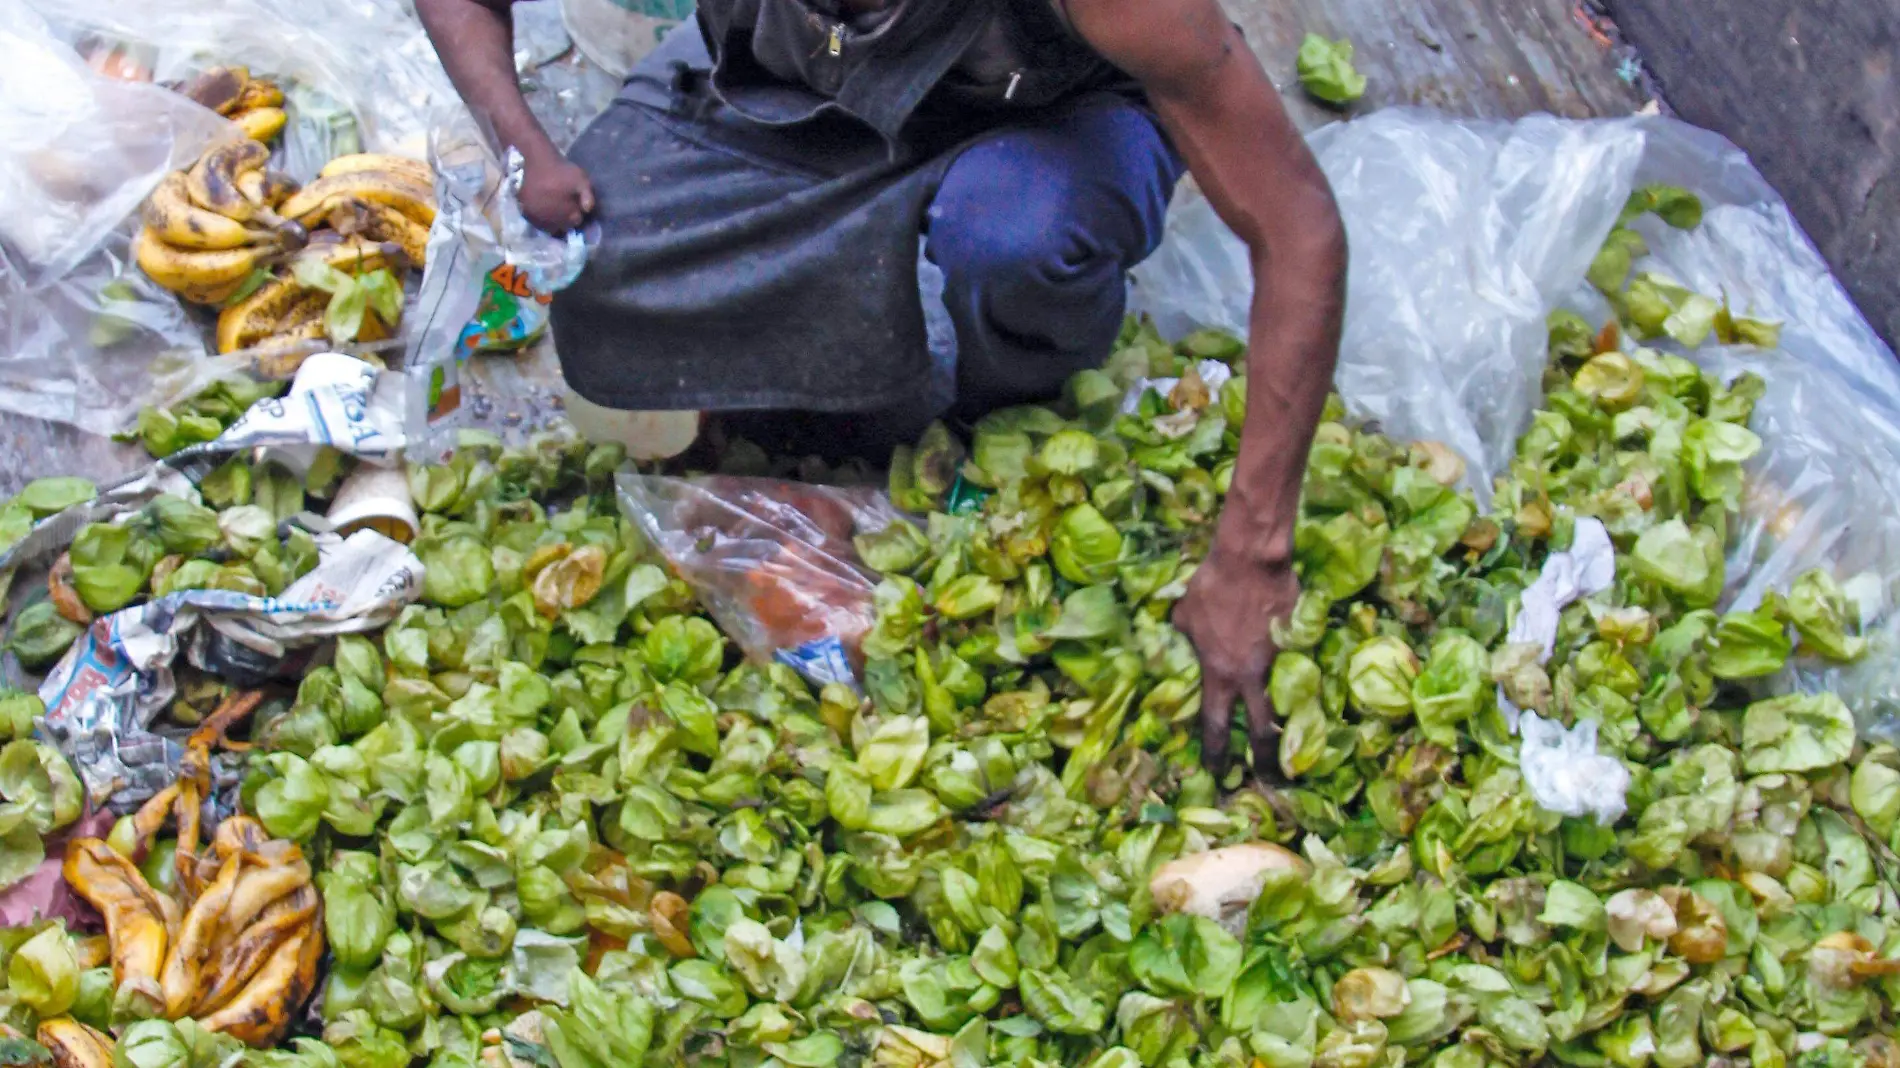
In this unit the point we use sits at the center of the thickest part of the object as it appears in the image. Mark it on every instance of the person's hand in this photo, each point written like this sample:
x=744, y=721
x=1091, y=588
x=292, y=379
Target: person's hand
x=556, y=195
x=1228, y=614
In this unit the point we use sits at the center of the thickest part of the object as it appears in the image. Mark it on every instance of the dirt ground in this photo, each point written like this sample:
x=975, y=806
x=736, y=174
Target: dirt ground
x=1489, y=58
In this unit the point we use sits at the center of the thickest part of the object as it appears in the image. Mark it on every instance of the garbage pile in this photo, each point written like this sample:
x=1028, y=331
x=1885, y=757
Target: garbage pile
x=1534, y=800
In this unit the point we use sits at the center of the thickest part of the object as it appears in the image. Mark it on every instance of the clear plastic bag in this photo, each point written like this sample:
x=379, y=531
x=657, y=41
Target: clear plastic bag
x=370, y=58
x=82, y=150
x=1465, y=235
x=773, y=562
x=85, y=339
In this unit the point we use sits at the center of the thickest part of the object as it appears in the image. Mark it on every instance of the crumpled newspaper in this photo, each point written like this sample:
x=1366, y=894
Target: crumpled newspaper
x=105, y=693
x=1562, y=767
x=335, y=400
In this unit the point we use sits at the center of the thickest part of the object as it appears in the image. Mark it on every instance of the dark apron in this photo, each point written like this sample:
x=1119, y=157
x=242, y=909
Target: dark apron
x=759, y=237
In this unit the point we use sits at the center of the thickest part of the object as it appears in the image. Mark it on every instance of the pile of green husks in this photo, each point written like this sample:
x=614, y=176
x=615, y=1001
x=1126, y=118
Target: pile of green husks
x=559, y=824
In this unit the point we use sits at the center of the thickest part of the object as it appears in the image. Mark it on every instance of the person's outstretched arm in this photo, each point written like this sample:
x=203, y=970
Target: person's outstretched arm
x=475, y=39
x=1227, y=119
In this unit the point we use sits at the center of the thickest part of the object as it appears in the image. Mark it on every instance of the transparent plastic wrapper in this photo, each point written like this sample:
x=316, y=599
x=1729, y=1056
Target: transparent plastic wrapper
x=82, y=150
x=80, y=328
x=530, y=267
x=478, y=295
x=773, y=562
x=491, y=278
x=361, y=64
x=1824, y=492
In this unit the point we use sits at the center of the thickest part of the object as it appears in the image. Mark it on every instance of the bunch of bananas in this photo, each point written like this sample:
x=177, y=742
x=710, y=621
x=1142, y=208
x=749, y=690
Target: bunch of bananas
x=365, y=213
x=230, y=233
x=209, y=229
x=237, y=949
x=255, y=104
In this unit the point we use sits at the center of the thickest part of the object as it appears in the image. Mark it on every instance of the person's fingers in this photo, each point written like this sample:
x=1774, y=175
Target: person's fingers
x=1262, y=731
x=587, y=198
x=1217, y=718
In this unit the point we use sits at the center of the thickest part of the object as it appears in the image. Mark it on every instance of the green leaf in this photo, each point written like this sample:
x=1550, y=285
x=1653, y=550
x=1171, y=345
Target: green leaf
x=1796, y=733
x=1326, y=70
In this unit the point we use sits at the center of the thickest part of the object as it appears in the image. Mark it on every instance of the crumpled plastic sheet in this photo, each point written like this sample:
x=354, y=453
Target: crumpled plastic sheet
x=1466, y=234
x=1463, y=235
x=1567, y=775
x=85, y=338
x=370, y=56
x=1562, y=768
x=773, y=562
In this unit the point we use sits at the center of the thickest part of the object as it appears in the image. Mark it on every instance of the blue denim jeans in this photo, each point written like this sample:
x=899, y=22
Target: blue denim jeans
x=1034, y=230
x=1023, y=272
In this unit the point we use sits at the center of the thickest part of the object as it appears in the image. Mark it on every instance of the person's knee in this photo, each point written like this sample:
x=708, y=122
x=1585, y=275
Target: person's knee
x=1026, y=242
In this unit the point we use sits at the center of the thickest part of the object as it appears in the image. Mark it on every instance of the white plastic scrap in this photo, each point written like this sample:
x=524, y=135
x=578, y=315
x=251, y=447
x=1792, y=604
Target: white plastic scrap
x=1565, y=772
x=1563, y=769
x=1587, y=568
x=1212, y=372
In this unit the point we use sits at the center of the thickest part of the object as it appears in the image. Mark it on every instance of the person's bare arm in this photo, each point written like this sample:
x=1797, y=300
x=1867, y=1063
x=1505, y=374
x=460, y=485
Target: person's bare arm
x=475, y=39
x=1227, y=119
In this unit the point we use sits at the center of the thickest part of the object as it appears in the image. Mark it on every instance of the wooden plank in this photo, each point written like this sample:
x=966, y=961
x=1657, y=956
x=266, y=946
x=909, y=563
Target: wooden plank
x=1482, y=58
x=1810, y=89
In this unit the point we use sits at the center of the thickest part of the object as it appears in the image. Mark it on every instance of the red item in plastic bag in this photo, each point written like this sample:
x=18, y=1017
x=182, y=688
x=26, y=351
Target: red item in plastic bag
x=772, y=561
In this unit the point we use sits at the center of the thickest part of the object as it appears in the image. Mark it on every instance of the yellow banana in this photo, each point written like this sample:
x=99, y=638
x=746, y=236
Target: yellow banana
x=258, y=93
x=375, y=161
x=213, y=184
x=234, y=965
x=269, y=188
x=195, y=273
x=263, y=313
x=259, y=1012
x=184, y=964
x=351, y=255
x=239, y=834
x=135, y=914
x=407, y=195
x=73, y=1044
x=218, y=88
x=212, y=181
x=178, y=222
x=261, y=124
x=384, y=223
x=259, y=888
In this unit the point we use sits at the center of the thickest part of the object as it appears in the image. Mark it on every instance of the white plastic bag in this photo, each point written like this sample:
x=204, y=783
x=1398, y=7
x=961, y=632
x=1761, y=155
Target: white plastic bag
x=81, y=150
